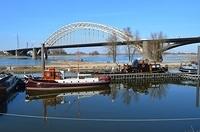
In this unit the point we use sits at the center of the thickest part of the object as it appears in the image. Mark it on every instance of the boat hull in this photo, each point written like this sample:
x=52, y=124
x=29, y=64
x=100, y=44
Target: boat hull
x=192, y=71
x=46, y=85
x=8, y=84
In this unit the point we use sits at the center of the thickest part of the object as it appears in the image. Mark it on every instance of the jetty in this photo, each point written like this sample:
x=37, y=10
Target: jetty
x=154, y=76
x=159, y=76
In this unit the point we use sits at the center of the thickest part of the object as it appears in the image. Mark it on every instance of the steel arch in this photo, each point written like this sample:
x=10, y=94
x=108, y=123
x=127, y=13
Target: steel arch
x=67, y=29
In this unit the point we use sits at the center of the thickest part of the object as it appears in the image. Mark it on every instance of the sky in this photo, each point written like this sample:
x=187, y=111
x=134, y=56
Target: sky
x=35, y=20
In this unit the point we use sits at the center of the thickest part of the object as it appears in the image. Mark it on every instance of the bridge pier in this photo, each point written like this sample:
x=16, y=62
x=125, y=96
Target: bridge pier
x=34, y=54
x=146, y=52
x=42, y=59
x=152, y=51
x=46, y=53
x=16, y=52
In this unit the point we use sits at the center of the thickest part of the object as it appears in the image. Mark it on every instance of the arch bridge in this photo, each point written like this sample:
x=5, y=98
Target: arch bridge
x=88, y=34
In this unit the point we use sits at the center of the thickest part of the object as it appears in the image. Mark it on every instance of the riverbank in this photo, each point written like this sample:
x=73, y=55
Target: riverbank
x=73, y=66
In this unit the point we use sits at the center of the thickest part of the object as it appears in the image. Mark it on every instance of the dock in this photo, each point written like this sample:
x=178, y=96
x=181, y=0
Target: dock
x=192, y=77
x=154, y=76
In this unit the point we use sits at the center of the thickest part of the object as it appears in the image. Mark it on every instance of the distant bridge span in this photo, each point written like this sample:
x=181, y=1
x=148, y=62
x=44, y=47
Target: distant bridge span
x=177, y=42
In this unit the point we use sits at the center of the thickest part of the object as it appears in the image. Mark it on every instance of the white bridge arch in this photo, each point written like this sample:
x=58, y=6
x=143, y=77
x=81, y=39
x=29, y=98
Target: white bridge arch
x=67, y=29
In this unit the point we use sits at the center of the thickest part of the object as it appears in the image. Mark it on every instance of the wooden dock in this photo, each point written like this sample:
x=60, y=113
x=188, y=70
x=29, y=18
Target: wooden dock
x=160, y=76
x=190, y=77
x=154, y=76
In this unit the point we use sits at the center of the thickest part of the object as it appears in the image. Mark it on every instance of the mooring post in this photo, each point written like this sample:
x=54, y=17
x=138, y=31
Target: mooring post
x=42, y=59
x=197, y=95
x=198, y=61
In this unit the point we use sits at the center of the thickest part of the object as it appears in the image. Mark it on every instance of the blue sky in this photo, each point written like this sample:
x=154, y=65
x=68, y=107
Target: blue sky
x=35, y=20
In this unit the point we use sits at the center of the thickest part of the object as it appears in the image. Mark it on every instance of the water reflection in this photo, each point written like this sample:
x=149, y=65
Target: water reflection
x=125, y=92
x=156, y=90
x=142, y=99
x=5, y=99
x=69, y=97
x=132, y=90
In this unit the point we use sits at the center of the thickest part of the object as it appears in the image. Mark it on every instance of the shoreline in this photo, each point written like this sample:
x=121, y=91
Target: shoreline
x=73, y=66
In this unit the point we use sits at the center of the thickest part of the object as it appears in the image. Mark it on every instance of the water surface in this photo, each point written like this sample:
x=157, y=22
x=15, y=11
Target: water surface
x=117, y=108
x=27, y=61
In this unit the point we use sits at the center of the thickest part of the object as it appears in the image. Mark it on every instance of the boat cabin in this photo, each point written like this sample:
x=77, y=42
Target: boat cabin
x=52, y=74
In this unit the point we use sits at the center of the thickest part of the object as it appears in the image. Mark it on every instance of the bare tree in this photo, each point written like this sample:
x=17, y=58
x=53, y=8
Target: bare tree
x=131, y=47
x=155, y=46
x=112, y=46
x=136, y=37
x=128, y=39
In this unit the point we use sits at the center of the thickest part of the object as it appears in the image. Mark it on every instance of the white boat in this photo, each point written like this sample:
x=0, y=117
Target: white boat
x=189, y=68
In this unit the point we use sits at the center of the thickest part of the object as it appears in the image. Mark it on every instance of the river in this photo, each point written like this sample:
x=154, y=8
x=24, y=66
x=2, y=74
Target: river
x=16, y=61
x=128, y=106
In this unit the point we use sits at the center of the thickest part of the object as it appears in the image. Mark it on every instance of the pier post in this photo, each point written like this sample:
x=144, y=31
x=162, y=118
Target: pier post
x=34, y=54
x=42, y=59
x=197, y=95
x=151, y=51
x=198, y=60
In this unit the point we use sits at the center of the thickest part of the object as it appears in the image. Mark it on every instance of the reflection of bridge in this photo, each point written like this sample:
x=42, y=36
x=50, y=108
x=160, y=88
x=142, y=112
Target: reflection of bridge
x=87, y=34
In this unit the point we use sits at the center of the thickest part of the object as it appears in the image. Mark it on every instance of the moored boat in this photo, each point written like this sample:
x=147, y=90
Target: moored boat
x=8, y=82
x=189, y=68
x=55, y=80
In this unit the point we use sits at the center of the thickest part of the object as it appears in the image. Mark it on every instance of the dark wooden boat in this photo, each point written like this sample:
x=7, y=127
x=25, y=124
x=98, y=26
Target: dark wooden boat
x=54, y=80
x=8, y=82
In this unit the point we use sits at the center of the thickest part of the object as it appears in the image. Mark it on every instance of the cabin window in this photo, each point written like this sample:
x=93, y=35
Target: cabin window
x=81, y=77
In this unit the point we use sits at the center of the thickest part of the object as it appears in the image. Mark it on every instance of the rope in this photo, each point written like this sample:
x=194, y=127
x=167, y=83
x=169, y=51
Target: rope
x=103, y=120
